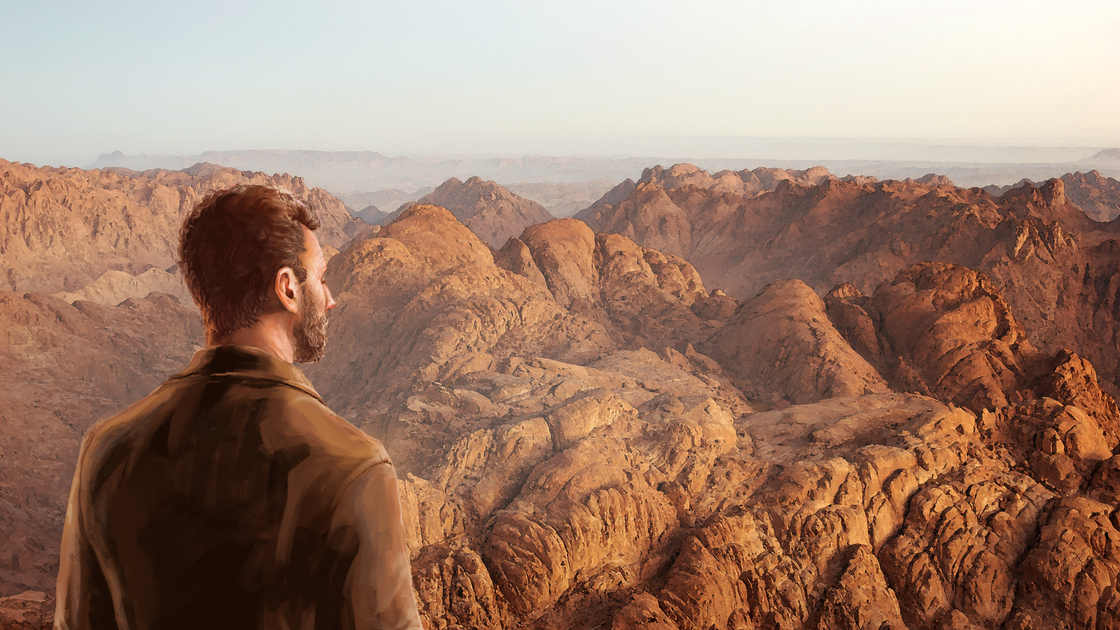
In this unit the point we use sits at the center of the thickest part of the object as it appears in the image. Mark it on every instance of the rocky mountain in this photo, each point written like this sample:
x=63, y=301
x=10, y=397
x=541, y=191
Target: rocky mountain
x=388, y=198
x=372, y=215
x=114, y=287
x=357, y=172
x=1052, y=261
x=589, y=435
x=61, y=229
x=567, y=184
x=369, y=172
x=1105, y=155
x=489, y=210
x=1096, y=194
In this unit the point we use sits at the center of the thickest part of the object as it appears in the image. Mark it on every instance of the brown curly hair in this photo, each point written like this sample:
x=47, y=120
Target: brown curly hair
x=231, y=246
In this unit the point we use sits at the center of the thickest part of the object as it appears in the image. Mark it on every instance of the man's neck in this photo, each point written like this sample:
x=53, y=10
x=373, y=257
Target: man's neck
x=272, y=334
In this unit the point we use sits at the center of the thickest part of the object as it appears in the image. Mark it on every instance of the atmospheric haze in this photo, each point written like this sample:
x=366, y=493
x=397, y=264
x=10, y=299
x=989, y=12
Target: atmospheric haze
x=553, y=78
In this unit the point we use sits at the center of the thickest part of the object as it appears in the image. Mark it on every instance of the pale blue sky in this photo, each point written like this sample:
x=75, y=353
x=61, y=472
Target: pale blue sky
x=83, y=78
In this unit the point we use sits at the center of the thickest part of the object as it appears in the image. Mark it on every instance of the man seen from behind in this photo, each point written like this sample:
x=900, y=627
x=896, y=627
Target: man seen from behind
x=231, y=496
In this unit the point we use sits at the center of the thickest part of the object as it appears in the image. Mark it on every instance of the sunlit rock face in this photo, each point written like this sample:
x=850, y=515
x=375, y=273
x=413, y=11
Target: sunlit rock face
x=569, y=459
x=587, y=435
x=782, y=344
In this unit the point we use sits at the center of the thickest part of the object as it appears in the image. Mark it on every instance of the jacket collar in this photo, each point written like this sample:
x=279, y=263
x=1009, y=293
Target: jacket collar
x=246, y=362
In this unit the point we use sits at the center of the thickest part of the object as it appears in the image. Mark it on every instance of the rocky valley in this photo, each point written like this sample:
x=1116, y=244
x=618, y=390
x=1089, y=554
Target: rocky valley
x=749, y=399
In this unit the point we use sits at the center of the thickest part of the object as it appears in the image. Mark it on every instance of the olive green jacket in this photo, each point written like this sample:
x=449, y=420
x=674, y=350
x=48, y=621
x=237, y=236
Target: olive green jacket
x=232, y=497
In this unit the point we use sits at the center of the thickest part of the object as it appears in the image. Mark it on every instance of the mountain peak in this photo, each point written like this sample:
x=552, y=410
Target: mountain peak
x=490, y=210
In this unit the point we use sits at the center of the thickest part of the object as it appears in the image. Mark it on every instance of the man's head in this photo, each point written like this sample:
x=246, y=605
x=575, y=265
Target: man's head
x=249, y=251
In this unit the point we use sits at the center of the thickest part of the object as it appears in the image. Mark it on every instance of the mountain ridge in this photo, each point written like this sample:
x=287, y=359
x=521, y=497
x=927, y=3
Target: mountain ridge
x=1048, y=256
x=62, y=228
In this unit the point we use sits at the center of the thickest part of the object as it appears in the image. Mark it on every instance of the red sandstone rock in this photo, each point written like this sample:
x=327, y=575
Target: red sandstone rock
x=782, y=344
x=30, y=610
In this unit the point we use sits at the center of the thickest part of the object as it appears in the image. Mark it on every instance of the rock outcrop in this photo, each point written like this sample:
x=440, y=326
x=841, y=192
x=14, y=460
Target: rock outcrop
x=589, y=474
x=30, y=610
x=782, y=344
x=114, y=287
x=1096, y=194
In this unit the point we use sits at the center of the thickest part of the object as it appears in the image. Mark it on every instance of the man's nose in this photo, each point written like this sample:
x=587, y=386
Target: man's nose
x=330, y=299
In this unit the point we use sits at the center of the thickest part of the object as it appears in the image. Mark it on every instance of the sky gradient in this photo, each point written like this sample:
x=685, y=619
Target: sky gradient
x=597, y=78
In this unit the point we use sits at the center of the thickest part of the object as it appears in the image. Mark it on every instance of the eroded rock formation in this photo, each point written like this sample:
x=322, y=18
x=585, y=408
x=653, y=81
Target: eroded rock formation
x=589, y=474
x=65, y=367
x=587, y=436
x=1041, y=245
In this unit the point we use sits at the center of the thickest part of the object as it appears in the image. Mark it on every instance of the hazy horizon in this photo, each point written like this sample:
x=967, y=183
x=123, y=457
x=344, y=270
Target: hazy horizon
x=554, y=78
x=780, y=150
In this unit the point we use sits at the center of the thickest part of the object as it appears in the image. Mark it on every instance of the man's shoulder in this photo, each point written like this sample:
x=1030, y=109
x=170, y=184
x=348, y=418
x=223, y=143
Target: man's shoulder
x=123, y=430
x=303, y=418
x=290, y=417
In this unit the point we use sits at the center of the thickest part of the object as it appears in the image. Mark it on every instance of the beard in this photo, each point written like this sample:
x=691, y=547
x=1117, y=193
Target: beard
x=311, y=334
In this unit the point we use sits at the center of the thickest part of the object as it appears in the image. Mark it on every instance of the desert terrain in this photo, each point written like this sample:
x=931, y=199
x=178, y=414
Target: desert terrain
x=763, y=398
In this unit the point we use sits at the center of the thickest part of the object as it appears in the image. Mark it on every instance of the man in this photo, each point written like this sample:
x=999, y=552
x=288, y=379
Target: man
x=231, y=496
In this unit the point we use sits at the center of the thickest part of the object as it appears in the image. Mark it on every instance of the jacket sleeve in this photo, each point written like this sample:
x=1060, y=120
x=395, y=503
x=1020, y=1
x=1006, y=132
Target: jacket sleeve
x=84, y=600
x=379, y=583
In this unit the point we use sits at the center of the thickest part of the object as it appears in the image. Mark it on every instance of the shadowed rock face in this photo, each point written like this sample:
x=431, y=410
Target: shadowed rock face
x=587, y=436
x=65, y=367
x=1096, y=194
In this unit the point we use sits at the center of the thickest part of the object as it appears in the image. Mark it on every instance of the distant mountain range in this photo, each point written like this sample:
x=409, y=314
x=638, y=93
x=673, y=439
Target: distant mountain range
x=566, y=184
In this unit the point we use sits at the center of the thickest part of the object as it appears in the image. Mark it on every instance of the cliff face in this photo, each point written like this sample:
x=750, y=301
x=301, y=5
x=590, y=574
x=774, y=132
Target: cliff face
x=61, y=229
x=588, y=435
x=1096, y=194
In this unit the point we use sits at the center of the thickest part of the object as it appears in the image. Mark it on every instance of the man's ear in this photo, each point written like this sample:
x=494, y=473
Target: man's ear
x=287, y=289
